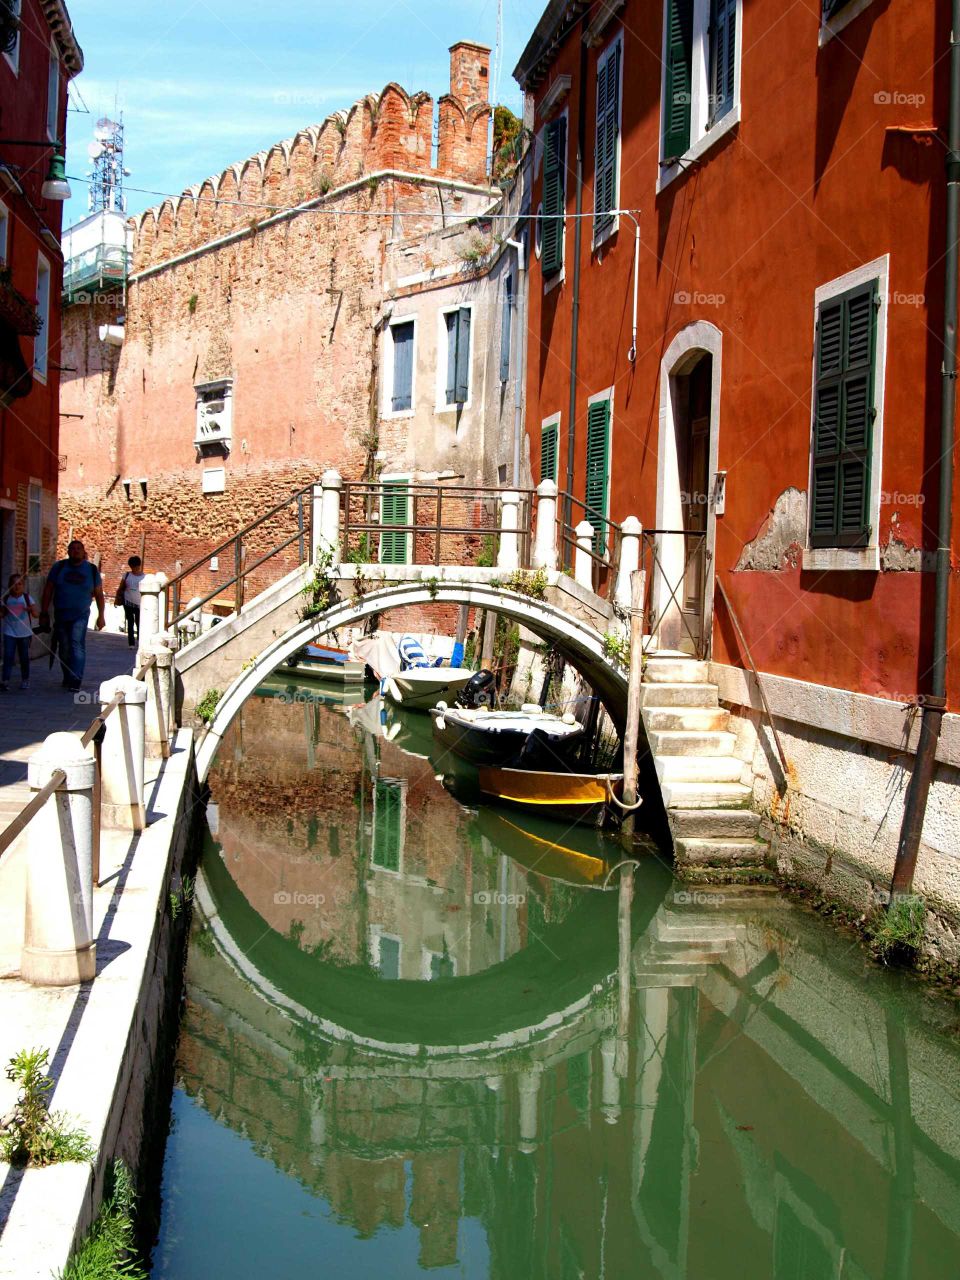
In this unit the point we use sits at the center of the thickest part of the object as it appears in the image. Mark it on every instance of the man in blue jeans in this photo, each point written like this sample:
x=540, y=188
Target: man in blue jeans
x=71, y=585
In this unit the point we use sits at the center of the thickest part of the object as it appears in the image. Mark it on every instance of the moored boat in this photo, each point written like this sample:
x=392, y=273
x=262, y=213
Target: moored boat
x=481, y=736
x=574, y=797
x=323, y=662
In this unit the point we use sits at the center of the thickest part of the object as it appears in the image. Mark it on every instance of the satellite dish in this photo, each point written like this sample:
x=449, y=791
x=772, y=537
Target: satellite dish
x=95, y=150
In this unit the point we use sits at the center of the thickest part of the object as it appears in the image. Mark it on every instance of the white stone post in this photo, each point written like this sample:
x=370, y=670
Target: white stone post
x=326, y=516
x=158, y=681
x=150, y=589
x=545, y=545
x=508, y=554
x=630, y=532
x=583, y=561
x=609, y=1084
x=121, y=756
x=58, y=945
x=528, y=1085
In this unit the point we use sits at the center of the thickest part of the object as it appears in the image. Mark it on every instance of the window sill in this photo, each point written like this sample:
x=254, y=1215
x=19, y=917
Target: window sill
x=700, y=147
x=452, y=408
x=40, y=377
x=14, y=66
x=604, y=236
x=394, y=414
x=550, y=284
x=833, y=26
x=840, y=559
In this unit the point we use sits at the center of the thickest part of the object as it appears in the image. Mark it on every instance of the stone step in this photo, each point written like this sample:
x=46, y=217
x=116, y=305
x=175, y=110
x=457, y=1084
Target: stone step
x=719, y=852
x=677, y=931
x=698, y=768
x=689, y=719
x=714, y=824
x=705, y=795
x=655, y=978
x=680, y=694
x=675, y=670
x=684, y=742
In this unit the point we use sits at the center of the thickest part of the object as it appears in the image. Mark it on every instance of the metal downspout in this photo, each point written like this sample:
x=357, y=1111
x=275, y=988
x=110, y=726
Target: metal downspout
x=575, y=310
x=934, y=704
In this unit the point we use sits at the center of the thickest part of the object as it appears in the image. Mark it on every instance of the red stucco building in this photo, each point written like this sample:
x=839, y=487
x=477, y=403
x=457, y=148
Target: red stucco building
x=39, y=55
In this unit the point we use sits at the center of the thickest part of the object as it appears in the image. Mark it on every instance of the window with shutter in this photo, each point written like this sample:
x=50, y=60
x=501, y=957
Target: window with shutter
x=554, y=196
x=844, y=413
x=549, y=434
x=394, y=510
x=458, y=355
x=506, y=323
x=402, y=335
x=723, y=53
x=387, y=823
x=598, y=471
x=388, y=958
x=605, y=193
x=678, y=77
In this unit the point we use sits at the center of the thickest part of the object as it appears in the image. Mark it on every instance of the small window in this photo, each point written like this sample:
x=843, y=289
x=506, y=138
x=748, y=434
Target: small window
x=549, y=436
x=4, y=234
x=34, y=527
x=394, y=510
x=506, y=325
x=388, y=956
x=553, y=207
x=388, y=815
x=10, y=33
x=597, y=496
x=700, y=76
x=458, y=356
x=41, y=343
x=53, y=96
x=607, y=155
x=402, y=336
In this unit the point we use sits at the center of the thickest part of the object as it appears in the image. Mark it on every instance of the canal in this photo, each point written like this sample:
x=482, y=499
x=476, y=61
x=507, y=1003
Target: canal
x=422, y=1035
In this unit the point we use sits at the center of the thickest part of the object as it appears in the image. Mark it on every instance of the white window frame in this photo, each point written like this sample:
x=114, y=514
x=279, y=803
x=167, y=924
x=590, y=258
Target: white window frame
x=387, y=410
x=553, y=420
x=41, y=343
x=376, y=933
x=443, y=342
x=400, y=478
x=601, y=395
x=13, y=59
x=426, y=957
x=601, y=63
x=34, y=511
x=538, y=232
x=833, y=26
x=831, y=559
x=4, y=234
x=53, y=94
x=702, y=138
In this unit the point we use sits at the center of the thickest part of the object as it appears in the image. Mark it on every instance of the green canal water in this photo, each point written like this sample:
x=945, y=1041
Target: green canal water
x=424, y=1035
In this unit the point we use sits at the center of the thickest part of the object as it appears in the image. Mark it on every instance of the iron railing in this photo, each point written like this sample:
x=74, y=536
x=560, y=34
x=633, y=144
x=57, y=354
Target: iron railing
x=606, y=563
x=675, y=562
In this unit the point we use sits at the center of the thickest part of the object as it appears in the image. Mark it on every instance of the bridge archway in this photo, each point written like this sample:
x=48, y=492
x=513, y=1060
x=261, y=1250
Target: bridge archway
x=579, y=642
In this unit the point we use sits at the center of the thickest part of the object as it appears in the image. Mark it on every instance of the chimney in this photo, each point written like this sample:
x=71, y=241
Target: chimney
x=470, y=73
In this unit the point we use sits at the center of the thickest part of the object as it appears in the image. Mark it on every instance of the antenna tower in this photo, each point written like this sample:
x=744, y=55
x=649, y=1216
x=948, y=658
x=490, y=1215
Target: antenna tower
x=106, y=154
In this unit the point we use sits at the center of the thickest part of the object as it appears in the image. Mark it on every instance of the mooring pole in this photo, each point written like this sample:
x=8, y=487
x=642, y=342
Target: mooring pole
x=632, y=733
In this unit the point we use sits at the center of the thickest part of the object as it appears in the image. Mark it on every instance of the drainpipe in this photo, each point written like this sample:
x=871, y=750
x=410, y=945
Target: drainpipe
x=934, y=704
x=575, y=310
x=520, y=344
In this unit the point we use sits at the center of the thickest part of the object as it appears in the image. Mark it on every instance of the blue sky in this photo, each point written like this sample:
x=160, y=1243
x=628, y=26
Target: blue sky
x=204, y=83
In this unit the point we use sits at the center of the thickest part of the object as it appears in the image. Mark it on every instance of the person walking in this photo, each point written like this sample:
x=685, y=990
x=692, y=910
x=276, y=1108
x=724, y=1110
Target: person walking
x=17, y=610
x=70, y=587
x=128, y=594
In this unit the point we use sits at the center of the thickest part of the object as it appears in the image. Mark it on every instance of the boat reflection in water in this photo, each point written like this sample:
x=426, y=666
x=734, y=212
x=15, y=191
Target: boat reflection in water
x=421, y=1037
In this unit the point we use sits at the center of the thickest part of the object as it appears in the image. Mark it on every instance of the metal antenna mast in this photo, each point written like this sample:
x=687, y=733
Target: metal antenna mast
x=106, y=153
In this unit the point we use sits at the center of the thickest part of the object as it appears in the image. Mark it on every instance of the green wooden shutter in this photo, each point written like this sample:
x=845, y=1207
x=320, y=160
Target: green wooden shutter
x=548, y=452
x=402, y=366
x=677, y=78
x=554, y=196
x=394, y=509
x=844, y=412
x=608, y=133
x=387, y=824
x=723, y=57
x=451, y=319
x=506, y=324
x=598, y=471
x=462, y=371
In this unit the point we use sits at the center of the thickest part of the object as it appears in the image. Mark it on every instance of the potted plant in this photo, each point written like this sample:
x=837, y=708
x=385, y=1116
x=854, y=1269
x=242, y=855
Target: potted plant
x=16, y=310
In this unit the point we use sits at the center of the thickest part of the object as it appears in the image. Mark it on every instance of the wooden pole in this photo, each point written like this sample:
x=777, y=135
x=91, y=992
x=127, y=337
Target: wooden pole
x=632, y=733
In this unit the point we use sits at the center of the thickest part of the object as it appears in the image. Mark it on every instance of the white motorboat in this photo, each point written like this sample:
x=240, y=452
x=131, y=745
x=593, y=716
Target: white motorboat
x=529, y=737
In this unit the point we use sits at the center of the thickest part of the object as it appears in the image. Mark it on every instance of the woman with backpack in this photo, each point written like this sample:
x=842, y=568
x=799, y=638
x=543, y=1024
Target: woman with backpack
x=17, y=610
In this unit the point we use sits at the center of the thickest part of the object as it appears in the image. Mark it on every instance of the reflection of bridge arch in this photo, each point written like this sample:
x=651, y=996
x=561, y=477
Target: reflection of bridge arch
x=580, y=642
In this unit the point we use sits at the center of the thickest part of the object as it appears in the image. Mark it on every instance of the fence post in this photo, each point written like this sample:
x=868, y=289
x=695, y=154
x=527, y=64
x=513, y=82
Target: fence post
x=583, y=561
x=159, y=685
x=528, y=1086
x=508, y=555
x=150, y=589
x=545, y=549
x=121, y=757
x=630, y=533
x=58, y=945
x=326, y=516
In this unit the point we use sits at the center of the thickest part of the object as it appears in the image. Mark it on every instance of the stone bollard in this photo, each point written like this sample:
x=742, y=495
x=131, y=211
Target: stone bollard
x=583, y=561
x=150, y=589
x=630, y=533
x=121, y=756
x=58, y=945
x=528, y=1086
x=158, y=682
x=545, y=544
x=326, y=516
x=508, y=554
x=610, y=1083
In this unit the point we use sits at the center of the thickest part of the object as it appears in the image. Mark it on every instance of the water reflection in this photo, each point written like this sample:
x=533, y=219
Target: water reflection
x=695, y=1085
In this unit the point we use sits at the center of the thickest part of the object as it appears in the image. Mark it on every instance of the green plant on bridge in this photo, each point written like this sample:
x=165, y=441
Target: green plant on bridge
x=616, y=648
x=32, y=1134
x=487, y=555
x=109, y=1249
x=207, y=706
x=533, y=585
x=320, y=592
x=432, y=585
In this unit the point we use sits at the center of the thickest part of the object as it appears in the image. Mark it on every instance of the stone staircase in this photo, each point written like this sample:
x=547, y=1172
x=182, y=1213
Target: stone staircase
x=700, y=777
x=680, y=946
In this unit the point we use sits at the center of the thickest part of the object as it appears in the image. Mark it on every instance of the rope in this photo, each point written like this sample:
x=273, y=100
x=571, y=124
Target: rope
x=611, y=798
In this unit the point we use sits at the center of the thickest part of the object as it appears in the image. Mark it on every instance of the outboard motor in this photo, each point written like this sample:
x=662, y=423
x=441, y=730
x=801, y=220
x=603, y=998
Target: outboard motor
x=479, y=691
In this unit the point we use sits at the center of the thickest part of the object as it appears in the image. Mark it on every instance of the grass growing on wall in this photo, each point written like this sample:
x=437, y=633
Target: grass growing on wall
x=109, y=1248
x=32, y=1135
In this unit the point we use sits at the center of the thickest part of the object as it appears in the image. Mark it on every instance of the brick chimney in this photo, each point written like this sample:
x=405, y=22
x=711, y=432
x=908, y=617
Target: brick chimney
x=470, y=72
x=465, y=114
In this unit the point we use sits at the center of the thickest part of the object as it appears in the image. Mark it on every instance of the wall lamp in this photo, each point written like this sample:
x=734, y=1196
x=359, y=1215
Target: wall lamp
x=55, y=185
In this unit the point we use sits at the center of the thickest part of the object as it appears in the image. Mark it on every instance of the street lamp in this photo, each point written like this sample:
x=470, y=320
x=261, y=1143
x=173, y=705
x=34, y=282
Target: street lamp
x=55, y=185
